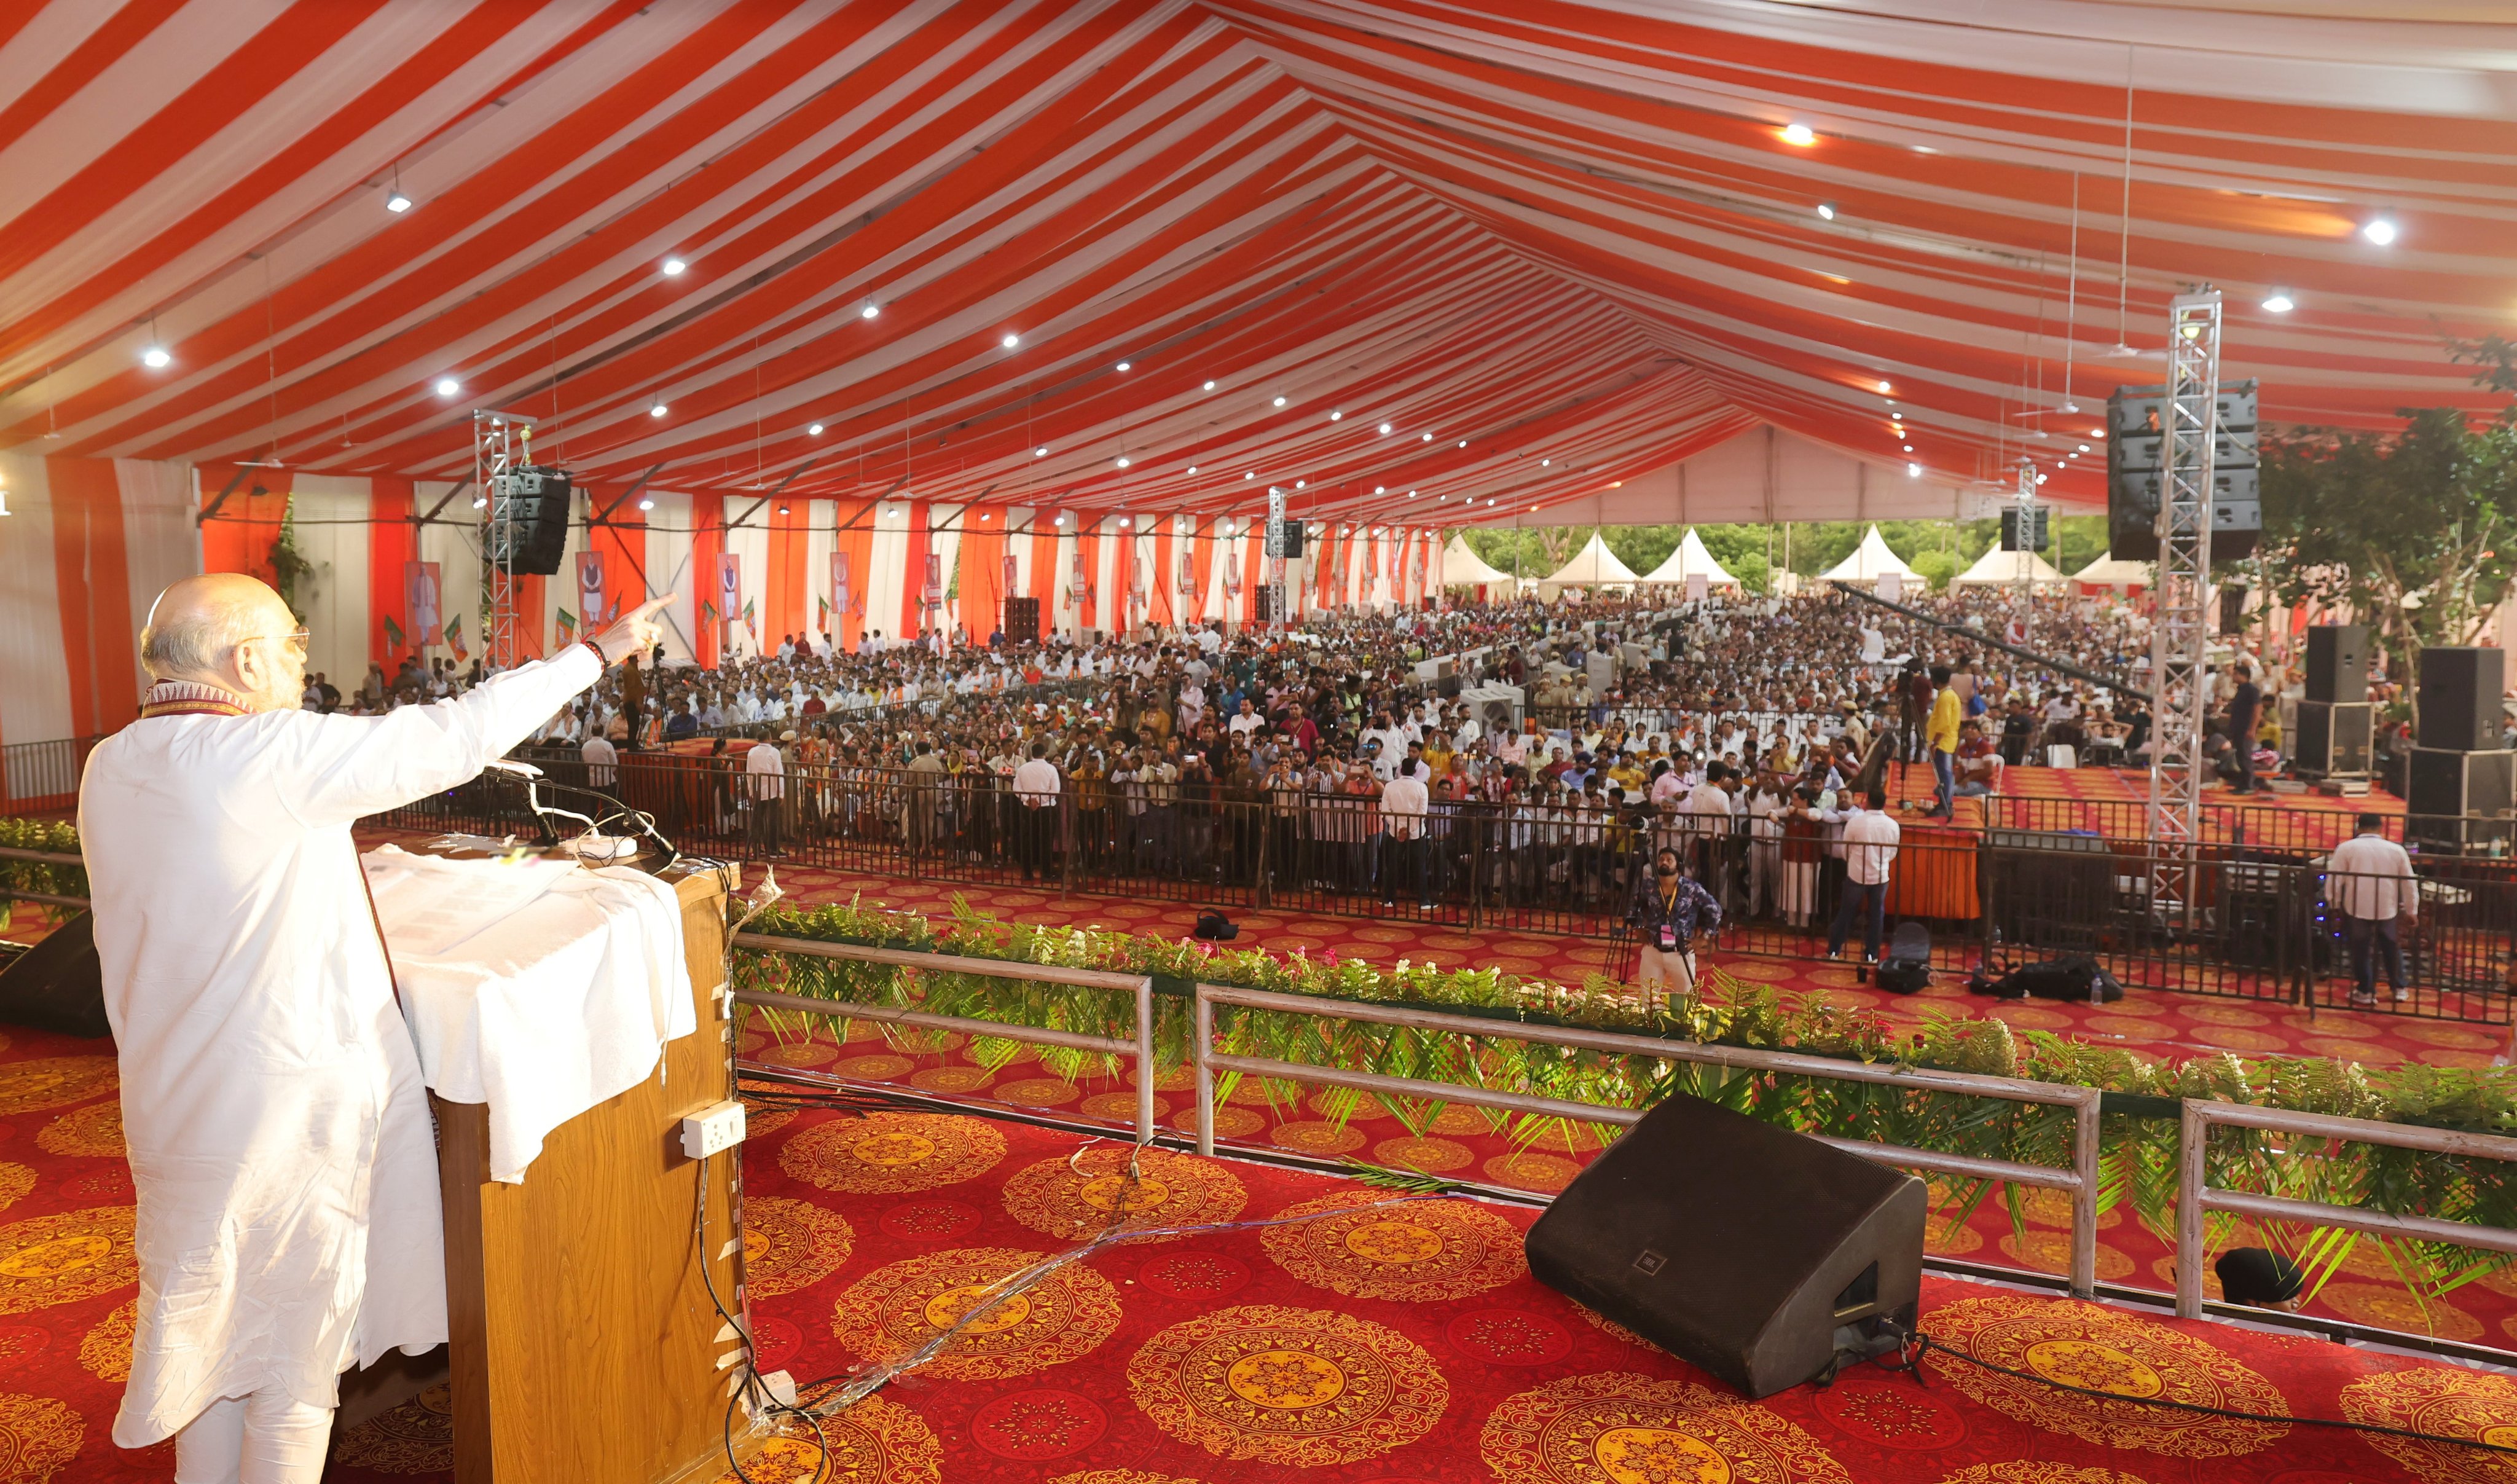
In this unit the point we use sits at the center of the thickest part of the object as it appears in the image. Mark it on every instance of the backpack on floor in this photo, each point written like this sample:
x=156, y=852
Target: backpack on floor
x=2072, y=976
x=1906, y=966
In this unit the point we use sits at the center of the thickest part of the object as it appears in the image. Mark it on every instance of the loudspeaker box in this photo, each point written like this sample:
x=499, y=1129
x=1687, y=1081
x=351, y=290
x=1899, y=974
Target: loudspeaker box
x=2459, y=698
x=2337, y=663
x=2334, y=737
x=1746, y=1250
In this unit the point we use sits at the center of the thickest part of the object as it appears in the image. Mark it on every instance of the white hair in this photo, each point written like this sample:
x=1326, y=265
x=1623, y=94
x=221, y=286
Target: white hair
x=196, y=643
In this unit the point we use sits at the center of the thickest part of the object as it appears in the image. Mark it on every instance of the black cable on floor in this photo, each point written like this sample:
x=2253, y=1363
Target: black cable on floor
x=1920, y=1342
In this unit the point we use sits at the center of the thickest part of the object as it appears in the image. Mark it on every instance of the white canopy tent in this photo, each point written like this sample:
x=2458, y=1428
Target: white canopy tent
x=1690, y=558
x=1463, y=567
x=2108, y=572
x=1594, y=566
x=1871, y=561
x=1997, y=568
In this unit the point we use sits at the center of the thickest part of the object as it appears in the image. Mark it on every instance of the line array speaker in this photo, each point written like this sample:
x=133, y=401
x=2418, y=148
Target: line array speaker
x=1022, y=620
x=2136, y=472
x=538, y=501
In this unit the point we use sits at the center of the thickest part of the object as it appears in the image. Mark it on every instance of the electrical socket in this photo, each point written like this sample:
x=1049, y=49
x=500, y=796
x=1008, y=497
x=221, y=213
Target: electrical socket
x=715, y=1127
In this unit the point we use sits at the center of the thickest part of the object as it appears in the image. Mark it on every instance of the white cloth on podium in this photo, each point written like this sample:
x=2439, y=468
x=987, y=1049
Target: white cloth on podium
x=541, y=1014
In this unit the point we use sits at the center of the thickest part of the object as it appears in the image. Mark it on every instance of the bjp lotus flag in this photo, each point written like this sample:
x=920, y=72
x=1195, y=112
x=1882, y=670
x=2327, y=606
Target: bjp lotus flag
x=393, y=633
x=566, y=628
x=454, y=637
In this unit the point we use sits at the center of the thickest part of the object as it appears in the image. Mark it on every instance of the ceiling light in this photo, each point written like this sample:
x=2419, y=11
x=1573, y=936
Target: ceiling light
x=1489, y=500
x=1123, y=523
x=1123, y=461
x=1249, y=476
x=1060, y=521
x=1010, y=341
x=2042, y=478
x=646, y=504
x=1533, y=510
x=2379, y=231
x=983, y=515
x=1826, y=210
x=1915, y=471
x=1123, y=365
x=1464, y=443
x=2084, y=447
x=479, y=502
x=870, y=311
x=785, y=510
x=1040, y=454
x=673, y=268
x=1192, y=468
x=655, y=409
x=1884, y=389
x=2279, y=303
x=1910, y=448
x=1799, y=134
x=156, y=358
x=1297, y=483
x=1376, y=489
x=1542, y=463
x=448, y=386
x=1280, y=401
x=396, y=202
x=1337, y=416
x=1210, y=386
x=2097, y=432
x=813, y=431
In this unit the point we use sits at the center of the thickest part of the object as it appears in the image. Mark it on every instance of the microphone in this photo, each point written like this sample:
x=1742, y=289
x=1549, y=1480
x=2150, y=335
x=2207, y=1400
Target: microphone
x=534, y=782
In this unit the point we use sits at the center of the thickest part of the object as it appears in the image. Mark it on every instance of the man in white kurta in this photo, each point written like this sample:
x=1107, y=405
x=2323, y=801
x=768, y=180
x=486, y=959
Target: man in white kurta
x=279, y=1133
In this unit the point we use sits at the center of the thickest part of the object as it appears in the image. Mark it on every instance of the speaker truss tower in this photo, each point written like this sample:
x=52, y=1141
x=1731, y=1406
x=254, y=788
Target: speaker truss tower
x=2181, y=626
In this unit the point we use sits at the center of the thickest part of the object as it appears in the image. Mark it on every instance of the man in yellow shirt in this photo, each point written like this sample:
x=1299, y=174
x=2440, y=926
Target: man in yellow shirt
x=1940, y=736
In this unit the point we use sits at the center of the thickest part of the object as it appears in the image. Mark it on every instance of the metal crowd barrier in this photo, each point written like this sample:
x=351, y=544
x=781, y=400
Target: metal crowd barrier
x=2197, y=1196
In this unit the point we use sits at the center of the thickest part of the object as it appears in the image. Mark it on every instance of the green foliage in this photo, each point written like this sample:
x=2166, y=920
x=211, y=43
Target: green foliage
x=2138, y=1153
x=290, y=571
x=1937, y=568
x=50, y=838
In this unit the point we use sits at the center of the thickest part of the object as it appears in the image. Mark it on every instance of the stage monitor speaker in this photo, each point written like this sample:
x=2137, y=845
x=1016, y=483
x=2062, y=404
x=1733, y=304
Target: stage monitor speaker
x=1751, y=1251
x=2334, y=736
x=2459, y=698
x=1022, y=620
x=2337, y=662
x=538, y=501
x=58, y=985
x=2459, y=800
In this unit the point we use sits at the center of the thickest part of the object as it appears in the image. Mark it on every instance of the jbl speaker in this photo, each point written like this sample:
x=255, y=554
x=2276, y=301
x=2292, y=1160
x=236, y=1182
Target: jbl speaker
x=2337, y=662
x=2334, y=737
x=58, y=985
x=2451, y=784
x=1022, y=620
x=1749, y=1250
x=2459, y=698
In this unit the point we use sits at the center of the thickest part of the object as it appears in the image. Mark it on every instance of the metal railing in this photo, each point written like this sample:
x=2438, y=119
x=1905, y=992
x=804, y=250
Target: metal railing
x=42, y=777
x=1141, y=1048
x=2081, y=1181
x=2197, y=1196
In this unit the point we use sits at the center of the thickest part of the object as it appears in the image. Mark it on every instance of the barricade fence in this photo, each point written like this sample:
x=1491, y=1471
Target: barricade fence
x=2216, y=918
x=42, y=777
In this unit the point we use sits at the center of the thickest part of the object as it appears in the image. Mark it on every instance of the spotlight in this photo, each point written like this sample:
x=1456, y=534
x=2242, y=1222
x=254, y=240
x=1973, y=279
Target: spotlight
x=1884, y=389
x=1464, y=443
x=2279, y=303
x=1210, y=386
x=156, y=358
x=1337, y=416
x=1010, y=341
x=785, y=510
x=1544, y=462
x=813, y=431
x=1910, y=448
x=2379, y=231
x=448, y=386
x=1280, y=401
x=1385, y=428
x=1799, y=134
x=1376, y=489
x=870, y=311
x=655, y=409
x=1192, y=468
x=2084, y=447
x=1123, y=365
x=1123, y=461
x=646, y=504
x=1826, y=210
x=673, y=268
x=1915, y=471
x=1040, y=454
x=397, y=203
x=479, y=502
x=1428, y=437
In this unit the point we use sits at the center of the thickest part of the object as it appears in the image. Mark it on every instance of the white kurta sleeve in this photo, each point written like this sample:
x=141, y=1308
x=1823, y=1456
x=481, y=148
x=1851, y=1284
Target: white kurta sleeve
x=345, y=767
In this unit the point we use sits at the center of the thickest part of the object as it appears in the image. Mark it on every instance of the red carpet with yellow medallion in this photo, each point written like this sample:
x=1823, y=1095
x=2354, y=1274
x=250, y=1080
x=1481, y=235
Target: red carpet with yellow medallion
x=1381, y=1342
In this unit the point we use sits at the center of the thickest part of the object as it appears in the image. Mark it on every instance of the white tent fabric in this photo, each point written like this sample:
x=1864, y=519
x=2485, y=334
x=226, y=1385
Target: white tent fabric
x=1997, y=568
x=1688, y=560
x=1869, y=562
x=1595, y=563
x=2108, y=572
x=1463, y=567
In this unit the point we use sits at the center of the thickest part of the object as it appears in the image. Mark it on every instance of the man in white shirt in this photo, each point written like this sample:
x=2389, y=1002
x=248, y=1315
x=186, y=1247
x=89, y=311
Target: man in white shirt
x=1036, y=789
x=1403, y=805
x=1248, y=720
x=2368, y=879
x=602, y=761
x=1870, y=845
x=766, y=768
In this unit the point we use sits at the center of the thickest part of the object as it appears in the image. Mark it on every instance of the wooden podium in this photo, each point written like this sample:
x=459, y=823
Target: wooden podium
x=583, y=1341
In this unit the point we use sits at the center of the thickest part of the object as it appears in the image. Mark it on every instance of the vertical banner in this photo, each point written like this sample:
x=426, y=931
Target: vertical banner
x=1010, y=570
x=589, y=590
x=729, y=594
x=935, y=584
x=841, y=598
x=420, y=603
x=1187, y=583
x=1135, y=588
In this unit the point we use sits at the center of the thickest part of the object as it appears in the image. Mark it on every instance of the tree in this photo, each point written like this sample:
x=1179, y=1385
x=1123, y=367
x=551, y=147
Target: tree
x=2412, y=530
x=1936, y=567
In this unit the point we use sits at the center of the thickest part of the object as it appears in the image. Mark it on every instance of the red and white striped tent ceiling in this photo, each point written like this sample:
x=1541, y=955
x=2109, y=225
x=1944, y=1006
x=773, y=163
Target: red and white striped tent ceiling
x=1549, y=246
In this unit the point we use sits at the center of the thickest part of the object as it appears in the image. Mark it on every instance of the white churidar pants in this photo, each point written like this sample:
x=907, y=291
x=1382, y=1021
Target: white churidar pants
x=265, y=1438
